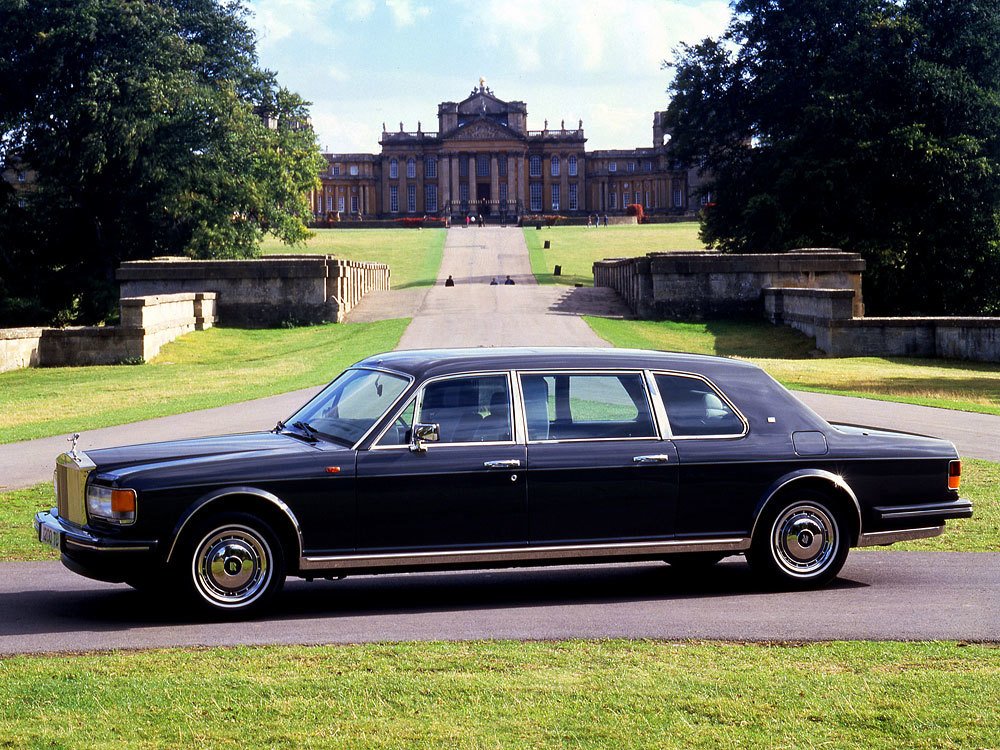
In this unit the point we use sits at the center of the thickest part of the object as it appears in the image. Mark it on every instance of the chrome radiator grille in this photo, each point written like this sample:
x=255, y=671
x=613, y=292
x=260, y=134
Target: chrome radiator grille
x=71, y=486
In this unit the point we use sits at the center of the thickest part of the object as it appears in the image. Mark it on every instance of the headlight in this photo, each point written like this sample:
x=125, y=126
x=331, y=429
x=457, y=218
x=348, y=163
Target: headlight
x=110, y=504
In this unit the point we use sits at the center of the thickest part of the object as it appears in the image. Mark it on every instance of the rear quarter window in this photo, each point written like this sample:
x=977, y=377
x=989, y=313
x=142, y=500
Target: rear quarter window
x=695, y=409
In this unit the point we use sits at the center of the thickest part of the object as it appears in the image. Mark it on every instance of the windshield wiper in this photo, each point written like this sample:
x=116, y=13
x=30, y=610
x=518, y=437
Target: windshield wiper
x=308, y=429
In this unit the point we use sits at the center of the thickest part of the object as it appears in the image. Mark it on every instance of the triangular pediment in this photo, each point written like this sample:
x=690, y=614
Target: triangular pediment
x=483, y=130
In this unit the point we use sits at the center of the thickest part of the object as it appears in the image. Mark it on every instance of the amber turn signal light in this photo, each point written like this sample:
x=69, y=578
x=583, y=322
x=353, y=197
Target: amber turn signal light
x=954, y=474
x=123, y=501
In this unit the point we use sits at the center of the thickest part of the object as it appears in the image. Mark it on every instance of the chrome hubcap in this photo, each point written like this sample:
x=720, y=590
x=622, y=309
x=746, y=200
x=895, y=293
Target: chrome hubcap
x=232, y=566
x=804, y=539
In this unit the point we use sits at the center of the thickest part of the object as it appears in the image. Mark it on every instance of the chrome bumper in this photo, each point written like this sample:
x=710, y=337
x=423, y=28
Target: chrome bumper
x=51, y=530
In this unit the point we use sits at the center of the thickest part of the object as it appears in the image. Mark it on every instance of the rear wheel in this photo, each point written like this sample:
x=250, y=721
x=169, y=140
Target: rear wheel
x=232, y=565
x=799, y=543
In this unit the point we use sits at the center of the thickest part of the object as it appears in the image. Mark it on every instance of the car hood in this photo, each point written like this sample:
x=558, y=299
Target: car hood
x=130, y=458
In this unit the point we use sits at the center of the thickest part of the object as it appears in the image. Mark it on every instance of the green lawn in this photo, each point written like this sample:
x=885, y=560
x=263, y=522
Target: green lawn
x=981, y=533
x=413, y=255
x=580, y=694
x=789, y=357
x=576, y=248
x=197, y=371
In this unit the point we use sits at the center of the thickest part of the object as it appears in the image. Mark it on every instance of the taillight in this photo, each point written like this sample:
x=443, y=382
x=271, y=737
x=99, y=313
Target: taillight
x=954, y=474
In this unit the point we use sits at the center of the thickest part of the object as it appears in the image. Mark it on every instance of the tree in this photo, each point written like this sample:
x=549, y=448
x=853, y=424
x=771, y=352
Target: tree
x=153, y=131
x=865, y=124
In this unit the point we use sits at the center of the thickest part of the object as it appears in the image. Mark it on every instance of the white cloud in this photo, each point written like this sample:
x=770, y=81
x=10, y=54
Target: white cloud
x=338, y=74
x=405, y=12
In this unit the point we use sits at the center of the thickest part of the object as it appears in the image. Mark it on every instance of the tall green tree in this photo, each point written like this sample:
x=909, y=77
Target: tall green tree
x=870, y=125
x=153, y=131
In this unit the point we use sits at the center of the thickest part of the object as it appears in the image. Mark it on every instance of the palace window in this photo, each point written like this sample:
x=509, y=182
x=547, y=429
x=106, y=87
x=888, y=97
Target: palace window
x=648, y=204
x=535, y=167
x=411, y=168
x=394, y=199
x=503, y=193
x=572, y=166
x=555, y=166
x=393, y=169
x=340, y=203
x=354, y=204
x=555, y=197
x=573, y=201
x=354, y=170
x=430, y=167
x=612, y=200
x=463, y=166
x=535, y=195
x=647, y=166
x=431, y=198
x=638, y=198
x=630, y=166
x=502, y=165
x=335, y=170
x=483, y=165
x=678, y=198
x=463, y=195
x=329, y=203
x=411, y=198
x=612, y=166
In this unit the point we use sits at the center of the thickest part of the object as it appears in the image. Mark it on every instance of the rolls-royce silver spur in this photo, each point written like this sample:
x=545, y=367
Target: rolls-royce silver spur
x=475, y=458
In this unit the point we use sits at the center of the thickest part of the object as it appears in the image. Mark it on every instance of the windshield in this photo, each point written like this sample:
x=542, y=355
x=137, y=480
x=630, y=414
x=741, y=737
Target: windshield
x=348, y=407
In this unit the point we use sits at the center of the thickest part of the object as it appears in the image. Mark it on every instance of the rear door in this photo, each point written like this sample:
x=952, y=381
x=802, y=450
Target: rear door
x=598, y=470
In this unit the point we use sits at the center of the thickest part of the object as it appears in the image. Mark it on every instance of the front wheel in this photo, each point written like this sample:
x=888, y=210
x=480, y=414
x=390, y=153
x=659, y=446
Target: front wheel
x=799, y=544
x=233, y=565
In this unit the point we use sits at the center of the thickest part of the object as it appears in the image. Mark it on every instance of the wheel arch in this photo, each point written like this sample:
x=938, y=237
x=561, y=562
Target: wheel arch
x=819, y=480
x=268, y=506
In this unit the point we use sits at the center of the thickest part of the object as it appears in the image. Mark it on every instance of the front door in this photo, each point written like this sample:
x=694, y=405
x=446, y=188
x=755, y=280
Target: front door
x=597, y=470
x=465, y=491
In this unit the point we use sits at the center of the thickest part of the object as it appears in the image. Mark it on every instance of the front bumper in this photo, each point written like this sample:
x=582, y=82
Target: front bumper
x=100, y=557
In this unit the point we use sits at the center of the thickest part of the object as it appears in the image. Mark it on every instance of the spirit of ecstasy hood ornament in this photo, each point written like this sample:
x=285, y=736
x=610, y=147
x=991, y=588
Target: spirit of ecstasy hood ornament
x=72, y=440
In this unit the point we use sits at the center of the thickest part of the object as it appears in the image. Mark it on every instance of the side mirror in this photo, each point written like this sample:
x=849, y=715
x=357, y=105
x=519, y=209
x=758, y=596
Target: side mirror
x=424, y=433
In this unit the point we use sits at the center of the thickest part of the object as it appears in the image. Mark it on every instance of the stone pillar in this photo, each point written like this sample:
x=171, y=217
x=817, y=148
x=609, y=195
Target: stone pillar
x=473, y=207
x=455, y=192
x=564, y=185
x=522, y=186
x=511, y=183
x=444, y=180
x=494, y=181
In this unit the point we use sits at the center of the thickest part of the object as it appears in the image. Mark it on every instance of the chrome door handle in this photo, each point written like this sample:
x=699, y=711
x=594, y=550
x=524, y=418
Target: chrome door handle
x=661, y=458
x=512, y=463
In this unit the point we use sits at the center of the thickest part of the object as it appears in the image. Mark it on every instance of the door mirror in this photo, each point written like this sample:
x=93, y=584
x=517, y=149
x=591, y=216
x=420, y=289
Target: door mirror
x=424, y=433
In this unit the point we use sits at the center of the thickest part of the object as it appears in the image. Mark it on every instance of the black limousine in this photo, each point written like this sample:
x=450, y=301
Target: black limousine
x=443, y=459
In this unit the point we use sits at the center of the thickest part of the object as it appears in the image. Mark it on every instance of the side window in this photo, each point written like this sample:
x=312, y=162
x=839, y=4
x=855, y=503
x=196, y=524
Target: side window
x=399, y=432
x=694, y=408
x=473, y=409
x=586, y=406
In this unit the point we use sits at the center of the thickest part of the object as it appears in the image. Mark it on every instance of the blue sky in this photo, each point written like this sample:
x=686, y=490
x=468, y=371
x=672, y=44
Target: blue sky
x=363, y=62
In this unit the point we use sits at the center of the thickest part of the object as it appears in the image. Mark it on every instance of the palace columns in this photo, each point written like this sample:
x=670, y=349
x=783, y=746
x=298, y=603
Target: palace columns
x=494, y=181
x=473, y=173
x=455, y=192
x=444, y=173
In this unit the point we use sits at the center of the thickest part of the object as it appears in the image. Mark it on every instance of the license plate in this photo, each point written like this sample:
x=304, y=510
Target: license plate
x=49, y=536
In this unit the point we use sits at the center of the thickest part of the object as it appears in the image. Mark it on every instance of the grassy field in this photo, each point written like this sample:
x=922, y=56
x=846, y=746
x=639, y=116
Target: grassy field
x=788, y=356
x=413, y=255
x=576, y=248
x=581, y=694
x=197, y=371
x=981, y=533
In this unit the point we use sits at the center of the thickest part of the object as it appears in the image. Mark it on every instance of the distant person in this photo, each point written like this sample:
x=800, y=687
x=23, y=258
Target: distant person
x=467, y=220
x=590, y=221
x=449, y=281
x=605, y=219
x=480, y=220
x=509, y=281
x=494, y=282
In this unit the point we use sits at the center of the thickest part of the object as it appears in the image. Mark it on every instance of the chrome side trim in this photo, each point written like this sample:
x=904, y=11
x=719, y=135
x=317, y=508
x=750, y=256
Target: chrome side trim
x=523, y=554
x=949, y=510
x=71, y=542
x=800, y=475
x=253, y=491
x=659, y=411
x=876, y=538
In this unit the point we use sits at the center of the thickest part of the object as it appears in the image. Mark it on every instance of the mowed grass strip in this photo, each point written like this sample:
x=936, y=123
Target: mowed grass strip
x=581, y=694
x=197, y=371
x=981, y=533
x=576, y=248
x=789, y=357
x=413, y=255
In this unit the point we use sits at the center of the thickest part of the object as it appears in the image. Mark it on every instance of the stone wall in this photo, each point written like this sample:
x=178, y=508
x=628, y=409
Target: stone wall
x=696, y=285
x=262, y=292
x=826, y=315
x=19, y=348
x=147, y=323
